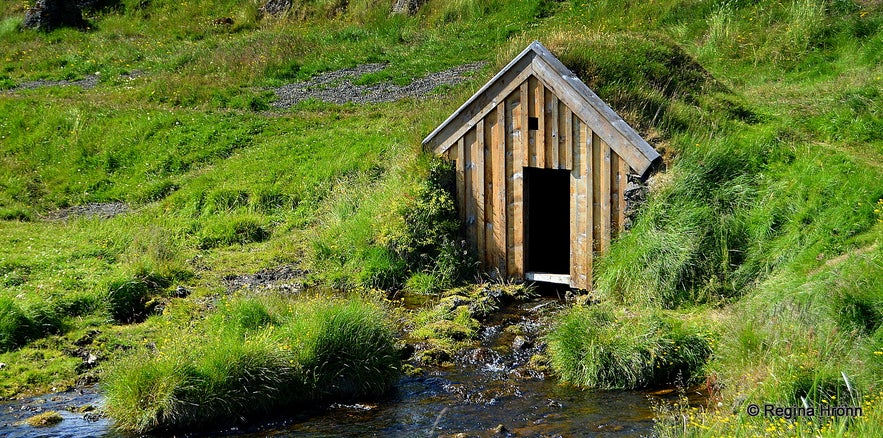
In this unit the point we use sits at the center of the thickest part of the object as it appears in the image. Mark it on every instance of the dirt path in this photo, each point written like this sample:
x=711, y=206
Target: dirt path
x=338, y=87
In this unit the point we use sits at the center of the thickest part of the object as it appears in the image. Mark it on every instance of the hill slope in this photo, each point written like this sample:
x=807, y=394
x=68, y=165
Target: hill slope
x=762, y=233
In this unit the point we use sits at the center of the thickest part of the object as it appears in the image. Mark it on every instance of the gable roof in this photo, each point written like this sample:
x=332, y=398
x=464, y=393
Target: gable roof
x=536, y=60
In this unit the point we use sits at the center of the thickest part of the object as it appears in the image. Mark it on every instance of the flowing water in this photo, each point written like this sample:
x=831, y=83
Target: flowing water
x=487, y=387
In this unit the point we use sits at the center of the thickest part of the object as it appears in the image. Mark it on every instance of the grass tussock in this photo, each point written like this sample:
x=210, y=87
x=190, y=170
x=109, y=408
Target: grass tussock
x=597, y=347
x=251, y=358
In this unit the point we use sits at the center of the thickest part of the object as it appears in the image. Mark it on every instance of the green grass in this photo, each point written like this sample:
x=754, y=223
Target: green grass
x=603, y=348
x=765, y=221
x=252, y=358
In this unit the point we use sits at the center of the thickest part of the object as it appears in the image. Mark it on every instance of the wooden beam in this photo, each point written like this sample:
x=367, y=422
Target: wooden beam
x=513, y=143
x=552, y=146
x=499, y=195
x=532, y=112
x=588, y=170
x=469, y=190
x=523, y=115
x=564, y=134
x=461, y=179
x=577, y=222
x=515, y=188
x=595, y=147
x=540, y=96
x=623, y=185
x=489, y=140
x=614, y=195
x=604, y=174
x=548, y=278
x=478, y=189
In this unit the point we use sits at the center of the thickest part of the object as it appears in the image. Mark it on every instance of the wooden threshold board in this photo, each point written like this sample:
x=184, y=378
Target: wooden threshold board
x=548, y=278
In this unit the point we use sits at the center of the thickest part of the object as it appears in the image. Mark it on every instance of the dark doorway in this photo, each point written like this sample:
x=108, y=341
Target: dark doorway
x=547, y=213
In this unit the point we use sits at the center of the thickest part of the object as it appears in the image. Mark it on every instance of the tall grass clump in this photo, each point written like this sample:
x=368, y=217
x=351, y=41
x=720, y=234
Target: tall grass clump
x=597, y=347
x=252, y=358
x=14, y=324
x=20, y=324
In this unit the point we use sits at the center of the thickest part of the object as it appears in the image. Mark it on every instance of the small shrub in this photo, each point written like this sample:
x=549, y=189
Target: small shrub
x=422, y=283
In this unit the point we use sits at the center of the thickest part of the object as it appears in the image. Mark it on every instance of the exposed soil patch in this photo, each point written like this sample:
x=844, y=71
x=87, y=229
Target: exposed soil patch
x=286, y=278
x=338, y=87
x=103, y=210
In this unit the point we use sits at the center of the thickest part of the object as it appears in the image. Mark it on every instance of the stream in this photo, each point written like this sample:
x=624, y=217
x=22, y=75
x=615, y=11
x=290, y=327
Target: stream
x=489, y=392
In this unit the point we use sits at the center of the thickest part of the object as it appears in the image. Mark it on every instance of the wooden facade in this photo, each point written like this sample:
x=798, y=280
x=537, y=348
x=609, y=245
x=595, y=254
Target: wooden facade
x=541, y=169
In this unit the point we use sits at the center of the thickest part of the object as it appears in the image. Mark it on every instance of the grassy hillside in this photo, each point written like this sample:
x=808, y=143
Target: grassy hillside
x=758, y=250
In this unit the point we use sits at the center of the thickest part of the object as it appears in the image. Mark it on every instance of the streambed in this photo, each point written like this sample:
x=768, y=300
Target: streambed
x=487, y=387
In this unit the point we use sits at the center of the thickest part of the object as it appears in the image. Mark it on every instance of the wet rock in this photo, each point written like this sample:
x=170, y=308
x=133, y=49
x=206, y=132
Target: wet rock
x=448, y=304
x=521, y=343
x=46, y=15
x=481, y=356
x=285, y=278
x=409, y=7
x=435, y=356
x=500, y=430
x=2, y=365
x=181, y=292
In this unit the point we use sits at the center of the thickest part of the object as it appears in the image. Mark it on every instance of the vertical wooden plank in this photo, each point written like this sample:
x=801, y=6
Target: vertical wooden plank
x=478, y=189
x=551, y=118
x=515, y=190
x=489, y=244
x=512, y=121
x=596, y=193
x=523, y=115
x=461, y=170
x=540, y=95
x=614, y=194
x=577, y=233
x=565, y=134
x=532, y=113
x=604, y=175
x=500, y=207
x=469, y=188
x=623, y=184
x=587, y=168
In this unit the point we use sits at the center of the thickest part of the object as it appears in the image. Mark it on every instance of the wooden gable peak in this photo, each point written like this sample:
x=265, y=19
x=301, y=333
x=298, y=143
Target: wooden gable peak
x=537, y=61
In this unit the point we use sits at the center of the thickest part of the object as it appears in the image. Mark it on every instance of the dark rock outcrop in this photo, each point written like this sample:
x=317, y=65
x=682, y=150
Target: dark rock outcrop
x=409, y=7
x=46, y=15
x=276, y=7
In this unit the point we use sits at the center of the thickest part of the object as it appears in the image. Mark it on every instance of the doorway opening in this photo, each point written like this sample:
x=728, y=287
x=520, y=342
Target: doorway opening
x=547, y=217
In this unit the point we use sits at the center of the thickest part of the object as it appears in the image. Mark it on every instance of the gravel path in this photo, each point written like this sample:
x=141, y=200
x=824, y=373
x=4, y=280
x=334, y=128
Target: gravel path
x=337, y=86
x=90, y=81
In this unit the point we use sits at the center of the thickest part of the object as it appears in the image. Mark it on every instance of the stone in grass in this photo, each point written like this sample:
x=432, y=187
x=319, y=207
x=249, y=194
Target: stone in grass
x=46, y=15
x=46, y=419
